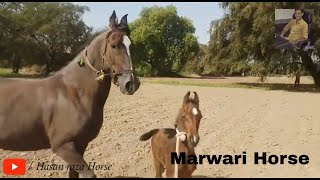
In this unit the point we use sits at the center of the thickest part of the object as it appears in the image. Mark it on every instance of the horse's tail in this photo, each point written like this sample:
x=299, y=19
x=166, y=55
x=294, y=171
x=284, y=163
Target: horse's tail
x=148, y=135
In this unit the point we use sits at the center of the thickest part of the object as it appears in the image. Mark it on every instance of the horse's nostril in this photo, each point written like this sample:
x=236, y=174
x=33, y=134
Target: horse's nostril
x=129, y=86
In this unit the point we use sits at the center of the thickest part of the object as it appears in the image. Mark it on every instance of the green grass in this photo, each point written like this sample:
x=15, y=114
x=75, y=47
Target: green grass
x=186, y=83
x=261, y=86
x=7, y=72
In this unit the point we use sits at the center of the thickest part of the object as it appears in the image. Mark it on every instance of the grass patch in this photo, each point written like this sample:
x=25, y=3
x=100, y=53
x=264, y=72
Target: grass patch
x=189, y=83
x=262, y=86
x=7, y=72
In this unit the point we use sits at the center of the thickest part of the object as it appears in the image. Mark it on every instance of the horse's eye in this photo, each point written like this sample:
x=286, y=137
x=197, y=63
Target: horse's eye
x=113, y=46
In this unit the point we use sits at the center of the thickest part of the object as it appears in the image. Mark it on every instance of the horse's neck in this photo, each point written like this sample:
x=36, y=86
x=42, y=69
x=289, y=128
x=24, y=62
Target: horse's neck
x=84, y=77
x=189, y=149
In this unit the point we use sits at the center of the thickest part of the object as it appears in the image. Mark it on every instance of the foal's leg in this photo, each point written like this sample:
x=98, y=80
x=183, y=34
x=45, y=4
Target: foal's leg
x=81, y=149
x=69, y=153
x=189, y=173
x=182, y=171
x=158, y=167
x=170, y=170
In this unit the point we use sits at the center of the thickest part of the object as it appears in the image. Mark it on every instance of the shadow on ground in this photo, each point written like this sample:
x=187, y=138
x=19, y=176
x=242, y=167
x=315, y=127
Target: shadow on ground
x=286, y=87
x=177, y=75
x=206, y=77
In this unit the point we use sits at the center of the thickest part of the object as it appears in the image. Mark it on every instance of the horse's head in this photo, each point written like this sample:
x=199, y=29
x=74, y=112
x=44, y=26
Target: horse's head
x=189, y=117
x=117, y=55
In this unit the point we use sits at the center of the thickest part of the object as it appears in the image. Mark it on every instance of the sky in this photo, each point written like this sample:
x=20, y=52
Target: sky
x=200, y=13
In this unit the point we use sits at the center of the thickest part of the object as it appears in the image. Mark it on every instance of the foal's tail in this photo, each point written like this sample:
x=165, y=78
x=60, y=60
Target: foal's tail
x=148, y=135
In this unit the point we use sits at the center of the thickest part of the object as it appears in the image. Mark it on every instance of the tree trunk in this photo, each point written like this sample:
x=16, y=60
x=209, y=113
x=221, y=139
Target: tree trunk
x=16, y=62
x=18, y=65
x=311, y=67
x=13, y=62
x=48, y=65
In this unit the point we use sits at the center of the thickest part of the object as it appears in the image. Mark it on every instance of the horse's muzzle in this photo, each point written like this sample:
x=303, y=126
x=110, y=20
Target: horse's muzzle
x=129, y=83
x=132, y=86
x=194, y=140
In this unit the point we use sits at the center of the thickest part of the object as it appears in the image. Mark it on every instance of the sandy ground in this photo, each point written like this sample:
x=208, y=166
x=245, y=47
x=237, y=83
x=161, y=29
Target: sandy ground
x=234, y=120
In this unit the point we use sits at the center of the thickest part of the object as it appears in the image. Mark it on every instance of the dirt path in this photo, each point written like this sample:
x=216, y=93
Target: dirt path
x=234, y=120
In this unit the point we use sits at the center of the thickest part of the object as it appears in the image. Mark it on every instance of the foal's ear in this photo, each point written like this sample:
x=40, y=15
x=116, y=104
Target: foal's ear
x=186, y=97
x=196, y=98
x=113, y=20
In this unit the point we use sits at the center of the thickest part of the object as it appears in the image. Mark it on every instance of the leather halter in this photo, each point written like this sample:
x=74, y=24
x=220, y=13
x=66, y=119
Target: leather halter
x=101, y=74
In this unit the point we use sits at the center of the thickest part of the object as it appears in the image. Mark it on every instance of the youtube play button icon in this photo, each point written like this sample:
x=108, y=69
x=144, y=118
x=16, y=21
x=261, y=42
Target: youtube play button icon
x=14, y=166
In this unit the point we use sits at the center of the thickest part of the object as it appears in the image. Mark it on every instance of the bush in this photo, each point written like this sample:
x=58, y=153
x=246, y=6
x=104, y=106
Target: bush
x=144, y=70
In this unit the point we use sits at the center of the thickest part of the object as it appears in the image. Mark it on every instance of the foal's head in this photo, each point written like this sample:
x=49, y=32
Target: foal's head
x=116, y=59
x=189, y=117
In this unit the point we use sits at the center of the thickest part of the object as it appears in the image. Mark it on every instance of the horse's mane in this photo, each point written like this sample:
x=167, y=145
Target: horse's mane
x=179, y=116
x=90, y=39
x=82, y=47
x=97, y=33
x=94, y=35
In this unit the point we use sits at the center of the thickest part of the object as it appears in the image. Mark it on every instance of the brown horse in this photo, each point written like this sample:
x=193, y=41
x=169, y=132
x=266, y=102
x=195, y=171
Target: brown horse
x=64, y=112
x=163, y=141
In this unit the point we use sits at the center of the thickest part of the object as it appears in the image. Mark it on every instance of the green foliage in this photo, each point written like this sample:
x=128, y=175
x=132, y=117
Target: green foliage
x=163, y=40
x=198, y=63
x=42, y=33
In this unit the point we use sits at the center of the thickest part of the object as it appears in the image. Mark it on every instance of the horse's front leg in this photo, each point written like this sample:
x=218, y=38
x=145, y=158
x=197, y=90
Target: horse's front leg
x=81, y=148
x=73, y=155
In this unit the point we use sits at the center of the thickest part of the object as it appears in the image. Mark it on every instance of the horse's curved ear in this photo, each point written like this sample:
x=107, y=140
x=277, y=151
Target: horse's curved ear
x=196, y=98
x=186, y=97
x=124, y=21
x=113, y=20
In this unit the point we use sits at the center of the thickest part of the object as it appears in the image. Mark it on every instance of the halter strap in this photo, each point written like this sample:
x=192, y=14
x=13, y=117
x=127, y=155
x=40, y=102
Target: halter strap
x=181, y=135
x=101, y=74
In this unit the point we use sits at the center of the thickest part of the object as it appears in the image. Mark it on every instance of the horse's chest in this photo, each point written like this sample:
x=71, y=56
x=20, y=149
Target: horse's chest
x=91, y=126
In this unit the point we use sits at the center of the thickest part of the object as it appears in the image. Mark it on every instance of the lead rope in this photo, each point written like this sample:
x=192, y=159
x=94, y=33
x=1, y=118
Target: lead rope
x=182, y=137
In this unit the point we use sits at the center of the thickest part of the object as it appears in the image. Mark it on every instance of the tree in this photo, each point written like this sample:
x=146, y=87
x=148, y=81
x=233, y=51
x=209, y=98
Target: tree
x=245, y=35
x=12, y=39
x=162, y=40
x=198, y=63
x=57, y=29
x=43, y=33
